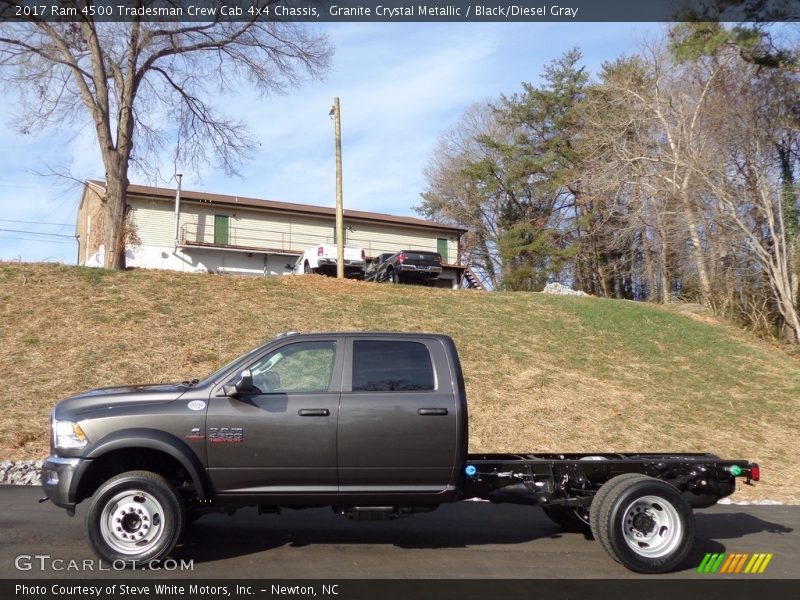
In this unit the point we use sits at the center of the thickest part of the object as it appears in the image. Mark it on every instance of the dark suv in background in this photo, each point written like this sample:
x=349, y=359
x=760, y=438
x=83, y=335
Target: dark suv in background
x=406, y=266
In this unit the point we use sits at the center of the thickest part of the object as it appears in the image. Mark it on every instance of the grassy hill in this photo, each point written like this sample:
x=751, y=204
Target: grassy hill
x=544, y=373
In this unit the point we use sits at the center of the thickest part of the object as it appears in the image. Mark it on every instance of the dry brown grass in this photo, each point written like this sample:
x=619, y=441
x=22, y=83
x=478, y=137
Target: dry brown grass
x=543, y=373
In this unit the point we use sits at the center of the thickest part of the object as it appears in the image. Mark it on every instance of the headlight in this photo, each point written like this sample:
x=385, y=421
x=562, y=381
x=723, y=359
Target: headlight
x=69, y=435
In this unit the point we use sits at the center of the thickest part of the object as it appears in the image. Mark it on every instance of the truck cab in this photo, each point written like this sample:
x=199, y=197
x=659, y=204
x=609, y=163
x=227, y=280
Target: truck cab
x=352, y=416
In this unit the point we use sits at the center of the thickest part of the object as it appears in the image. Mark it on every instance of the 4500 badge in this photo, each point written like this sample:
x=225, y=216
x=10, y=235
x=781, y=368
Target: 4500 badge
x=225, y=435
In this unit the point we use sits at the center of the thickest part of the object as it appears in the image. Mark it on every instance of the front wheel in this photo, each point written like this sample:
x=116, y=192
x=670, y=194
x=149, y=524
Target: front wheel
x=644, y=523
x=134, y=518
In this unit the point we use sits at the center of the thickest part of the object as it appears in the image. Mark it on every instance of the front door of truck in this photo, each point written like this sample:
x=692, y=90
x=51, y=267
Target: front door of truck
x=398, y=417
x=281, y=436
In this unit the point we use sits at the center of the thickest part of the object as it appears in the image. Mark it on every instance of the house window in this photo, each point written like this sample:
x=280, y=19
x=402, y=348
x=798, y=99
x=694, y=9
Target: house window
x=221, y=230
x=441, y=248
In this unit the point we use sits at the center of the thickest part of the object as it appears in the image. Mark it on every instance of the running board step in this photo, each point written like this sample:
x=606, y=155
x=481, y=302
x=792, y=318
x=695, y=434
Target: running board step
x=371, y=513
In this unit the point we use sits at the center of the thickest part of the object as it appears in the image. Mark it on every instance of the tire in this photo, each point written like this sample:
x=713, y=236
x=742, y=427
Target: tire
x=569, y=517
x=392, y=276
x=306, y=268
x=134, y=518
x=644, y=523
x=599, y=499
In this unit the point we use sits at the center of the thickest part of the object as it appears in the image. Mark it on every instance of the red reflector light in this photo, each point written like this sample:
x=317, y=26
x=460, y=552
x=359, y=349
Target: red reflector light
x=755, y=473
x=319, y=251
x=401, y=258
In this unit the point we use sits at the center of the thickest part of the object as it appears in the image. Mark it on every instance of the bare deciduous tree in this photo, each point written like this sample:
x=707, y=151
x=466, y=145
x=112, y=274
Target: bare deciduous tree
x=144, y=85
x=456, y=195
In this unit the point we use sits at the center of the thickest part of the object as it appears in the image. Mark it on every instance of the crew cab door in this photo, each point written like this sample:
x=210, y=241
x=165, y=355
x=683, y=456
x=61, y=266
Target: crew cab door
x=280, y=438
x=397, y=417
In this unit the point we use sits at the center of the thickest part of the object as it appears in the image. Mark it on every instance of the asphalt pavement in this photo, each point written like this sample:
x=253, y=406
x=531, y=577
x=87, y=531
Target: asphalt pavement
x=463, y=540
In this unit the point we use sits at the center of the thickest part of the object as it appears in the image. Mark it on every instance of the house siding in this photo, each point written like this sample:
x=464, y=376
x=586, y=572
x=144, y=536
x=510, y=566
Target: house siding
x=155, y=221
x=88, y=228
x=260, y=241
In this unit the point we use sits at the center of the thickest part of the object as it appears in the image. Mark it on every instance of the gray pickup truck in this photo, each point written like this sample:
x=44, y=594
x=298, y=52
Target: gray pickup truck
x=374, y=425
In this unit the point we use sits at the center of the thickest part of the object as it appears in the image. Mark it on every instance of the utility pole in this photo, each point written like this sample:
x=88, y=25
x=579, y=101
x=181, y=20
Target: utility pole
x=179, y=177
x=337, y=123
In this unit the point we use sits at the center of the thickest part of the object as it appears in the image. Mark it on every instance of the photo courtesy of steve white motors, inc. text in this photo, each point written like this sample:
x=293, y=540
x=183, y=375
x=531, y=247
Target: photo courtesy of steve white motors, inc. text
x=170, y=589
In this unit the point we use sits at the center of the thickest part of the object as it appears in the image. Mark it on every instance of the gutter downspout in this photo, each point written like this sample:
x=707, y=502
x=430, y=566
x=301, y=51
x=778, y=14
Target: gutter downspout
x=178, y=176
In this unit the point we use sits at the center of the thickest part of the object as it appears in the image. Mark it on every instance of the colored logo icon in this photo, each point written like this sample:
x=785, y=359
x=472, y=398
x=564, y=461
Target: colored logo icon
x=736, y=562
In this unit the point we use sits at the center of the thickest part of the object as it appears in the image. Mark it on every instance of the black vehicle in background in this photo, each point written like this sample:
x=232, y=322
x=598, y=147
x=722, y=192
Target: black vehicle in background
x=406, y=266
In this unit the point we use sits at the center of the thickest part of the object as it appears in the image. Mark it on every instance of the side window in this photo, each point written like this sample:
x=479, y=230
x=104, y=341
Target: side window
x=382, y=366
x=304, y=367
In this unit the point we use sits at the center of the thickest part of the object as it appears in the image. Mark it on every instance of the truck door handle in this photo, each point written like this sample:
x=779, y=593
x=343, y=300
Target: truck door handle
x=426, y=412
x=313, y=412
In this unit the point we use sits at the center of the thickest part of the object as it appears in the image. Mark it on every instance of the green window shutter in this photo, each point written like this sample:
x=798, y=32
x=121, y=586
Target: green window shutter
x=221, y=230
x=441, y=248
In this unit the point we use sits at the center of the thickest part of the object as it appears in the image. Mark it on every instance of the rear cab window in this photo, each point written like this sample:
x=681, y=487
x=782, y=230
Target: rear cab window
x=392, y=366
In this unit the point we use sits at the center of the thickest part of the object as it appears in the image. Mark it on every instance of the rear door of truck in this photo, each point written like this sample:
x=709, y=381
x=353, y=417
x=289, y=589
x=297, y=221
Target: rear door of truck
x=398, y=417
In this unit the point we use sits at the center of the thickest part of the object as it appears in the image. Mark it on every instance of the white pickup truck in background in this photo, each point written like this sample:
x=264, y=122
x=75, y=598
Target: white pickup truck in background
x=322, y=259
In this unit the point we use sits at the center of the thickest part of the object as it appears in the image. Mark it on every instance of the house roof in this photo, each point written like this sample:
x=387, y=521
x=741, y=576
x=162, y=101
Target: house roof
x=167, y=194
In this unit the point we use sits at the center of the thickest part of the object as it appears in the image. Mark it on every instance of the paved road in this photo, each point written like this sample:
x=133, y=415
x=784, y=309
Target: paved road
x=465, y=540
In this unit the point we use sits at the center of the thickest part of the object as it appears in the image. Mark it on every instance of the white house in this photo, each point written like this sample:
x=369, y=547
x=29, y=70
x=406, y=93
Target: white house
x=231, y=234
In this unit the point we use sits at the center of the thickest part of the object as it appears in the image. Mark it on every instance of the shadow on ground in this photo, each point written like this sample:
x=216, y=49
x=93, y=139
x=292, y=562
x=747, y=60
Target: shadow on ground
x=468, y=524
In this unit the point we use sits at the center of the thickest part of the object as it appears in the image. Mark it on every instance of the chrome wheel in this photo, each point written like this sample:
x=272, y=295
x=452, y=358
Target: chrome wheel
x=651, y=527
x=132, y=522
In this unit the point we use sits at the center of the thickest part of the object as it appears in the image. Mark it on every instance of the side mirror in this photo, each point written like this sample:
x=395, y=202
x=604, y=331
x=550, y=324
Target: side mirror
x=243, y=386
x=245, y=383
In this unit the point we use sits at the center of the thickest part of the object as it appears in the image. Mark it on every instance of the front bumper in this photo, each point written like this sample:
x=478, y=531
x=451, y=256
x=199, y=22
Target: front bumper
x=60, y=480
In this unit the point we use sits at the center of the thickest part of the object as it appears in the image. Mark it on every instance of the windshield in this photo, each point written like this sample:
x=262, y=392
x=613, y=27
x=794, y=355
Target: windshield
x=217, y=375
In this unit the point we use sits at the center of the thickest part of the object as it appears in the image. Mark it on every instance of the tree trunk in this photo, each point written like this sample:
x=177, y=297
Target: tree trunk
x=649, y=268
x=697, y=247
x=665, y=285
x=488, y=264
x=114, y=200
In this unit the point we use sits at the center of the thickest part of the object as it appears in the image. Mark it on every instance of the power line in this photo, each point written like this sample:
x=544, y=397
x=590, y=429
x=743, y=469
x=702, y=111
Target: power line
x=38, y=233
x=36, y=222
x=16, y=237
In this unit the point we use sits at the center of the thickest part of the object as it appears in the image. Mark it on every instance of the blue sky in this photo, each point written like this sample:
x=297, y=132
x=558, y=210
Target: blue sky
x=401, y=85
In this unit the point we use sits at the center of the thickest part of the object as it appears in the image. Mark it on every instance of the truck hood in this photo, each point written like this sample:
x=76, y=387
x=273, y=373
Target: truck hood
x=110, y=397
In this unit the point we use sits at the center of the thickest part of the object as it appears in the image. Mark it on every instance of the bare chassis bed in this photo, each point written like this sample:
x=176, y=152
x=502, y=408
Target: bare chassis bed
x=573, y=479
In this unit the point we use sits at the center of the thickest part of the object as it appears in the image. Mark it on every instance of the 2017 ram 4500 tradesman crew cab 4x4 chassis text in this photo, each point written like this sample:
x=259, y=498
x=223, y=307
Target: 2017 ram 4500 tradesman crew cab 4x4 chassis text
x=373, y=424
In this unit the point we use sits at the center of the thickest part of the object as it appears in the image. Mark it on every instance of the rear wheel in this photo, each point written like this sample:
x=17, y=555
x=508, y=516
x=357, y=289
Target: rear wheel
x=392, y=276
x=135, y=517
x=644, y=523
x=307, y=268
